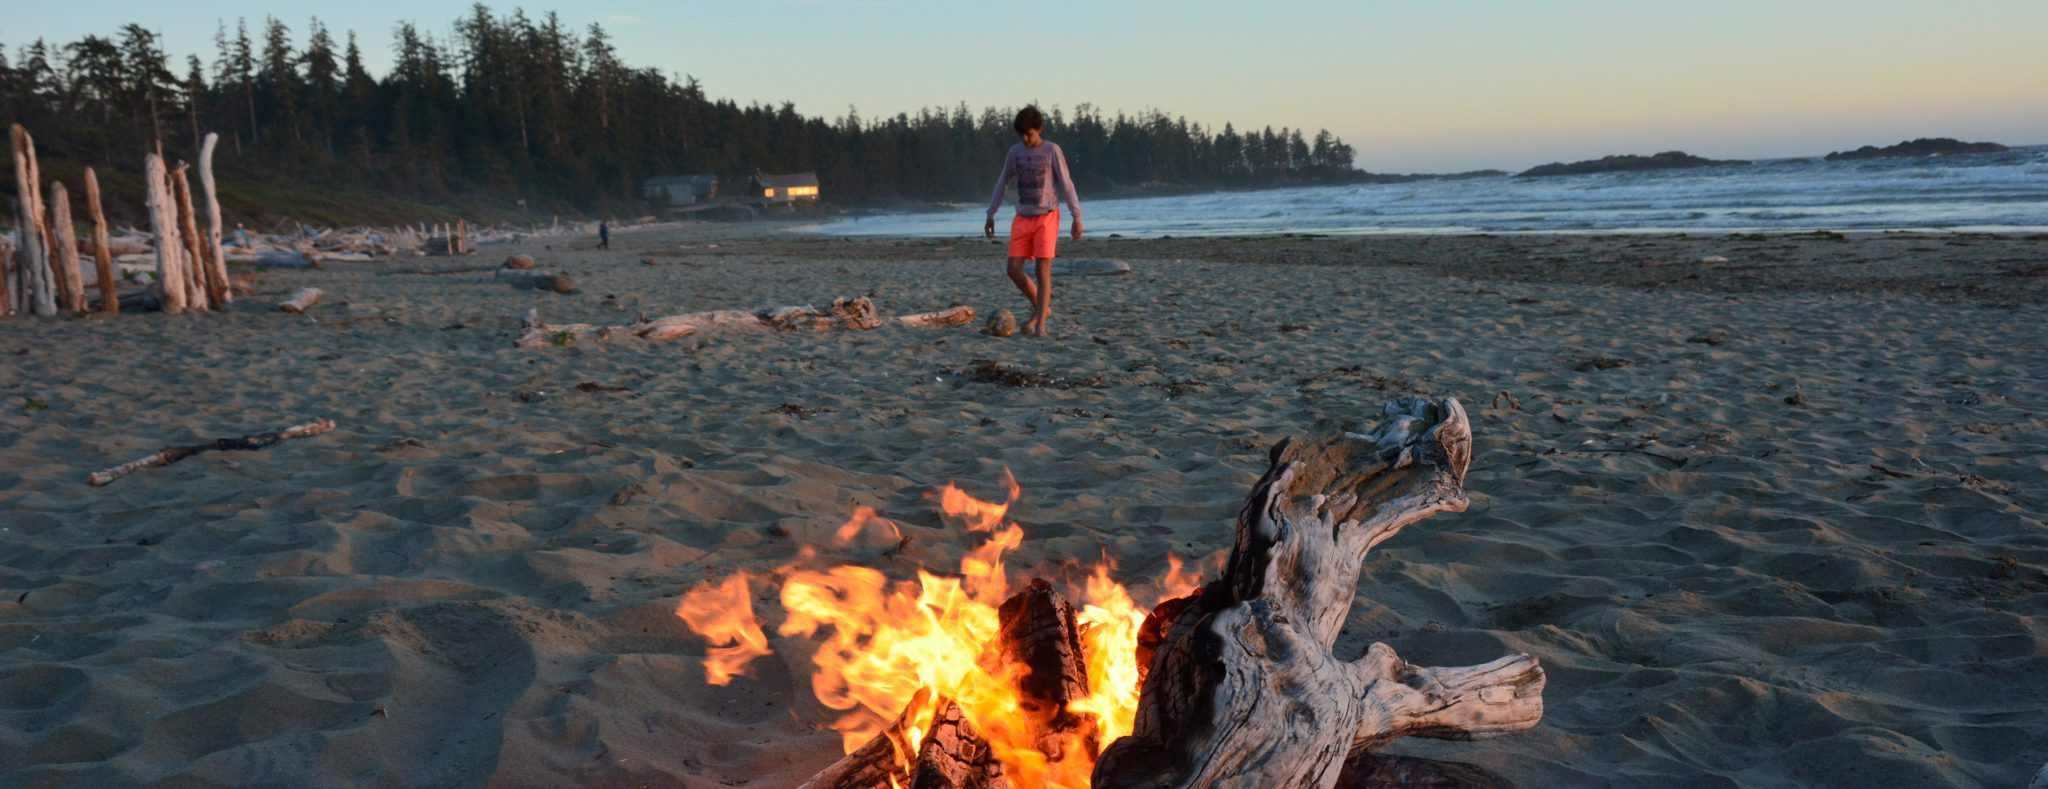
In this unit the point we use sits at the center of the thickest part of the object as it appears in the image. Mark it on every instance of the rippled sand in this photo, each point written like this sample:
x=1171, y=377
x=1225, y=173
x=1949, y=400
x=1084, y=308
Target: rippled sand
x=1772, y=521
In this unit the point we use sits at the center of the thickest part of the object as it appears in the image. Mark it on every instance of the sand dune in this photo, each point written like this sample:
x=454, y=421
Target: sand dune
x=1777, y=521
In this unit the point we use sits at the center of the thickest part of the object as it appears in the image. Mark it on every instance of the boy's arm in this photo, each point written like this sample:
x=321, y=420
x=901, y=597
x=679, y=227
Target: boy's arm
x=1059, y=170
x=995, y=202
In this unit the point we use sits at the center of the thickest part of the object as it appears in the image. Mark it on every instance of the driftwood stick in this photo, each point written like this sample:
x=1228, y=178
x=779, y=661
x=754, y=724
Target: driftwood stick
x=200, y=289
x=302, y=300
x=216, y=259
x=169, y=455
x=163, y=226
x=1243, y=689
x=64, y=241
x=103, y=258
x=851, y=314
x=34, y=286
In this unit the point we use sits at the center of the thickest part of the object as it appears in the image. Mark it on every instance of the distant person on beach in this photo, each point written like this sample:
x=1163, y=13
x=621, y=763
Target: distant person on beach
x=604, y=234
x=1040, y=170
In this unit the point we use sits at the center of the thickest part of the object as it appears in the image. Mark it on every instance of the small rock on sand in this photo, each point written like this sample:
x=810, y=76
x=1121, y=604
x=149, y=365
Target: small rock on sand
x=519, y=261
x=1713, y=260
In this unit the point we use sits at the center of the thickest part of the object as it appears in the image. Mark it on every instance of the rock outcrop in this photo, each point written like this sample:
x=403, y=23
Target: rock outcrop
x=1668, y=160
x=1925, y=146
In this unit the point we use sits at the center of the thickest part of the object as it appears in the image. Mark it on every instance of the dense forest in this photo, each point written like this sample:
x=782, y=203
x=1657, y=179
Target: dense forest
x=510, y=111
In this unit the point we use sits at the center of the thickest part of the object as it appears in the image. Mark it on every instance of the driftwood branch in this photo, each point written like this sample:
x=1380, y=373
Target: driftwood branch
x=199, y=292
x=34, y=285
x=855, y=314
x=64, y=242
x=1243, y=689
x=163, y=225
x=169, y=455
x=216, y=260
x=103, y=258
x=302, y=300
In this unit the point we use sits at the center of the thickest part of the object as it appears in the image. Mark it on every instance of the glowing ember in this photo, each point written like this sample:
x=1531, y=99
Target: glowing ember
x=881, y=641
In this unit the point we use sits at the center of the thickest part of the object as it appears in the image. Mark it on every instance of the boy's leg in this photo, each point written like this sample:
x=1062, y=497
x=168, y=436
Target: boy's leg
x=1023, y=282
x=1042, y=304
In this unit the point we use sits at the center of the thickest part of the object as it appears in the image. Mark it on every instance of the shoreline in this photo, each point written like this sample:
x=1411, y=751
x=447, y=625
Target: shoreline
x=1799, y=492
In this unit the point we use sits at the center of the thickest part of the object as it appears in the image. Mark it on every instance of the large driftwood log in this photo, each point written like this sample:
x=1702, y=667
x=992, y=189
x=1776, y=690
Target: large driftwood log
x=199, y=291
x=163, y=226
x=102, y=256
x=34, y=285
x=64, y=241
x=169, y=455
x=856, y=313
x=1243, y=689
x=216, y=259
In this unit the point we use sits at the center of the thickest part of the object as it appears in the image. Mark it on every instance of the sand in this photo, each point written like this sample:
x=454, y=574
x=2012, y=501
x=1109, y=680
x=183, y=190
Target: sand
x=1770, y=521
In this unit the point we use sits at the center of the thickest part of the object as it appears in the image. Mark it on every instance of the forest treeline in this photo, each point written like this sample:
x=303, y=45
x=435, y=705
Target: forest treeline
x=510, y=108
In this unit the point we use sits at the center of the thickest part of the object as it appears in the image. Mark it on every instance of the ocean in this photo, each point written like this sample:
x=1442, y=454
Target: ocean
x=1998, y=192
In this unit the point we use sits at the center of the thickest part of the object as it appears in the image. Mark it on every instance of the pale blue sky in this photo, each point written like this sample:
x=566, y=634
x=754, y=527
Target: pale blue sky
x=1414, y=85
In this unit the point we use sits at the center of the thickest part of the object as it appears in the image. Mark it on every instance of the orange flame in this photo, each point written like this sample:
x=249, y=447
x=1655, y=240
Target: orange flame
x=879, y=642
x=723, y=612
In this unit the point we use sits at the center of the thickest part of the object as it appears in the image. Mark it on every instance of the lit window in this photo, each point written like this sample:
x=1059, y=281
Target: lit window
x=768, y=193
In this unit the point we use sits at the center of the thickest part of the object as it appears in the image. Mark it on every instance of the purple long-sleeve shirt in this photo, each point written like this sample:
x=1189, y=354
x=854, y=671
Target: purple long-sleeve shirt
x=1038, y=172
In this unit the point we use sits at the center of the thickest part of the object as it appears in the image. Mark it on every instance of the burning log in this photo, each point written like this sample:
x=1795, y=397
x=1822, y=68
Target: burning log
x=1248, y=661
x=103, y=258
x=169, y=455
x=854, y=314
x=1039, y=645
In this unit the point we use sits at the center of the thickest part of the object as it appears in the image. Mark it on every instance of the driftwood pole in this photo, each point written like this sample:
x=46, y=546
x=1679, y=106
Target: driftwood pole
x=216, y=260
x=33, y=269
x=163, y=225
x=64, y=235
x=1243, y=689
x=103, y=258
x=205, y=292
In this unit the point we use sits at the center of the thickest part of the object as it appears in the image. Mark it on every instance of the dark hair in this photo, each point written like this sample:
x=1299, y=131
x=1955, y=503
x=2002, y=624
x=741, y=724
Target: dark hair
x=1029, y=118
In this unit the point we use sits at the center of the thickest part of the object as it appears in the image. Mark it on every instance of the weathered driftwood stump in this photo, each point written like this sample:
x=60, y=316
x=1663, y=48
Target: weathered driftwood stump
x=34, y=286
x=70, y=280
x=216, y=258
x=103, y=258
x=1243, y=689
x=855, y=314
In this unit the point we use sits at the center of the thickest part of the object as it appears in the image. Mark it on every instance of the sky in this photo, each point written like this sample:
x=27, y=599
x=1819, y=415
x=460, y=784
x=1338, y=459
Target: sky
x=1413, y=85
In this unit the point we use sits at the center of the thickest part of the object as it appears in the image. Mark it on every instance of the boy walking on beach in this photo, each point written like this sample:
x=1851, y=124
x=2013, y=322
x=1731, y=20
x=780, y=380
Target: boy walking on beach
x=1040, y=170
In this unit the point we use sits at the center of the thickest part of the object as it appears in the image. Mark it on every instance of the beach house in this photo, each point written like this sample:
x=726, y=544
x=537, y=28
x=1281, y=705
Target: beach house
x=783, y=189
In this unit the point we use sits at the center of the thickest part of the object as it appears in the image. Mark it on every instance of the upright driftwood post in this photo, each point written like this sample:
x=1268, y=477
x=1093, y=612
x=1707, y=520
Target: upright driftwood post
x=103, y=258
x=163, y=226
x=1243, y=689
x=37, y=292
x=204, y=293
x=64, y=241
x=216, y=259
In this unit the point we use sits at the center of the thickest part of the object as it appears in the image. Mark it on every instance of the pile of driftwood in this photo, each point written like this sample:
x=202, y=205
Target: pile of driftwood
x=1239, y=683
x=43, y=276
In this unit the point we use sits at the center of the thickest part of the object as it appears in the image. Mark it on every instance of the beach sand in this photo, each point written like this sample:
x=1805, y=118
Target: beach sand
x=1772, y=521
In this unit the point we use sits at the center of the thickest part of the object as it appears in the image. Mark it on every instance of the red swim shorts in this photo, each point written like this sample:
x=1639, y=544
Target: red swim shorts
x=1034, y=236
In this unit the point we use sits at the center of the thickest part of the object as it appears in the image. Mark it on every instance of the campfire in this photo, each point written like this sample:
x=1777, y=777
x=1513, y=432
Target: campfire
x=892, y=654
x=964, y=679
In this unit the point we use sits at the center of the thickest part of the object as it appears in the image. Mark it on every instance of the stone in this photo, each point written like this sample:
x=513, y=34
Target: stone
x=519, y=261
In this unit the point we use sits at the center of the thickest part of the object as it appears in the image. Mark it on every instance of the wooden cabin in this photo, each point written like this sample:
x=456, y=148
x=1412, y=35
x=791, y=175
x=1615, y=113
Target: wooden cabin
x=783, y=189
x=678, y=191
